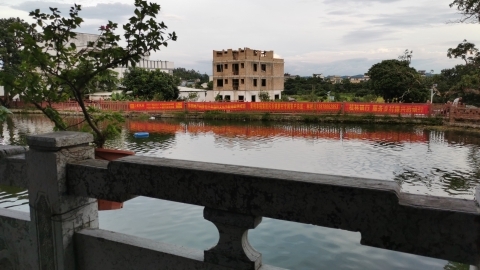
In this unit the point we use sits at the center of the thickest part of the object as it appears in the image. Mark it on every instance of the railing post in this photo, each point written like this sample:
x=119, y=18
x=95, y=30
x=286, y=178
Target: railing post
x=233, y=249
x=54, y=214
x=452, y=111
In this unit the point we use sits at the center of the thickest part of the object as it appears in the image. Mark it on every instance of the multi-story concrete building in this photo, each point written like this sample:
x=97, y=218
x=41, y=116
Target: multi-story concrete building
x=241, y=75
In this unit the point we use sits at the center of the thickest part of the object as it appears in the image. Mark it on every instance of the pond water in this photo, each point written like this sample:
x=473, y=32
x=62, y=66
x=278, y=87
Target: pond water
x=440, y=163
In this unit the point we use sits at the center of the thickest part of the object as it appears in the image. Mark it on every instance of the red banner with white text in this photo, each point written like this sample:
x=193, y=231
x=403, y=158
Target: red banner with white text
x=155, y=106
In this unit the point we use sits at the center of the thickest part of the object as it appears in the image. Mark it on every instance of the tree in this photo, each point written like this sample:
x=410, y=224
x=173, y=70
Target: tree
x=106, y=81
x=53, y=69
x=193, y=97
x=467, y=52
x=210, y=85
x=264, y=96
x=190, y=75
x=470, y=10
x=10, y=59
x=406, y=56
x=396, y=81
x=461, y=80
x=151, y=84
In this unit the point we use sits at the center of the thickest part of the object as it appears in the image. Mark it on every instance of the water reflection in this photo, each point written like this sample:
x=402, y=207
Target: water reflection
x=422, y=161
x=11, y=197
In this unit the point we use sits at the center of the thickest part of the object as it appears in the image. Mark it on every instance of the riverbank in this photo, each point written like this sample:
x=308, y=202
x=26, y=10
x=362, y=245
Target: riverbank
x=277, y=117
x=312, y=118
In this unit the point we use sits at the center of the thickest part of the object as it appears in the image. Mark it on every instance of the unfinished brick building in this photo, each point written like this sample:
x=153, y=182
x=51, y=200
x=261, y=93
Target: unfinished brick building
x=241, y=75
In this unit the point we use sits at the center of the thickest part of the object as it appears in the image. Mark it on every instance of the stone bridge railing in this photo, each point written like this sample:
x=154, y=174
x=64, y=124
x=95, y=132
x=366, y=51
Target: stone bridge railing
x=61, y=231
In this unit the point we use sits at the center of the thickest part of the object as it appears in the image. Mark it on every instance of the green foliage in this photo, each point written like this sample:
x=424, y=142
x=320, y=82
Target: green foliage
x=461, y=80
x=192, y=97
x=305, y=85
x=190, y=75
x=105, y=81
x=369, y=98
x=456, y=266
x=110, y=122
x=264, y=96
x=210, y=85
x=10, y=54
x=151, y=84
x=53, y=69
x=467, y=52
x=4, y=113
x=218, y=97
x=470, y=10
x=120, y=97
x=396, y=81
x=406, y=56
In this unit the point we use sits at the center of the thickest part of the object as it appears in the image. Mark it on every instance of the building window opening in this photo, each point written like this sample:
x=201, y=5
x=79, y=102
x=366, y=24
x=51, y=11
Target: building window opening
x=254, y=82
x=240, y=98
x=264, y=82
x=242, y=65
x=264, y=67
x=235, y=84
x=219, y=68
x=242, y=81
x=227, y=97
x=226, y=81
x=219, y=82
x=254, y=98
x=263, y=54
x=219, y=53
x=226, y=66
x=254, y=67
x=235, y=69
x=255, y=52
x=277, y=97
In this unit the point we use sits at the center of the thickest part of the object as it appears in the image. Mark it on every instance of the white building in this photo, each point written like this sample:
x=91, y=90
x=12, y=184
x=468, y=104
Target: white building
x=81, y=42
x=203, y=95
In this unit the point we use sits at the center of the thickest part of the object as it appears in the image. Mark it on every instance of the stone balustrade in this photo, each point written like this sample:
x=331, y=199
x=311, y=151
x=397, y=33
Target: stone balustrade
x=64, y=181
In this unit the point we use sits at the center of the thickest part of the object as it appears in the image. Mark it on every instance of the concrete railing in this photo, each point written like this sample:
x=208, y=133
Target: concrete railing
x=63, y=179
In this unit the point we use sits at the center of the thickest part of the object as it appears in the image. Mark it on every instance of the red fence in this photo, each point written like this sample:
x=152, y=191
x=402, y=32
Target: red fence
x=272, y=107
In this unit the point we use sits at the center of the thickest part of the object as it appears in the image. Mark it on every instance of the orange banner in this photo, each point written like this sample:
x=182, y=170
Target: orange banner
x=295, y=106
x=155, y=106
x=216, y=106
x=385, y=108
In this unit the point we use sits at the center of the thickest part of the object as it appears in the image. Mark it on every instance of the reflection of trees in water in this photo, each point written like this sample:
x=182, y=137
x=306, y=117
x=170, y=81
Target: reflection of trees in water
x=456, y=266
x=12, y=196
x=462, y=137
x=473, y=158
x=15, y=129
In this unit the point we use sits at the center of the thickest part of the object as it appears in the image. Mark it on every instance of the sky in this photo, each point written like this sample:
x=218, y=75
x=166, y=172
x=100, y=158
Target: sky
x=332, y=37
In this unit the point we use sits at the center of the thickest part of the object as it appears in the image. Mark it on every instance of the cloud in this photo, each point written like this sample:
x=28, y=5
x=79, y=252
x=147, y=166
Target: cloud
x=367, y=35
x=116, y=12
x=360, y=1
x=413, y=16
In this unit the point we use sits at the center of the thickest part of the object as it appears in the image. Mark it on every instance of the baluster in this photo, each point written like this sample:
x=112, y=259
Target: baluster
x=233, y=249
x=55, y=214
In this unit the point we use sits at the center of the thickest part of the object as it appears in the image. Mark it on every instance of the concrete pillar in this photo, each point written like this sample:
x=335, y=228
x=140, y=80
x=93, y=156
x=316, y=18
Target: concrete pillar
x=233, y=249
x=54, y=214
